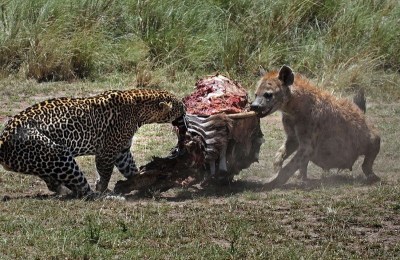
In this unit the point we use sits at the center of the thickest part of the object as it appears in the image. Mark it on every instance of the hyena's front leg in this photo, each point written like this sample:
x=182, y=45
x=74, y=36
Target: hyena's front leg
x=291, y=143
x=284, y=152
x=301, y=158
x=303, y=171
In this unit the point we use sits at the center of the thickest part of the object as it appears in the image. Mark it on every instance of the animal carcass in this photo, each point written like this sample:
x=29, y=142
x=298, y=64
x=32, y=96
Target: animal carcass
x=221, y=139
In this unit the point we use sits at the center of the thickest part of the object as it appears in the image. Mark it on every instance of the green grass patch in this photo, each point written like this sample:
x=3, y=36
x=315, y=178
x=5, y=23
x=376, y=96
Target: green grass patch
x=339, y=43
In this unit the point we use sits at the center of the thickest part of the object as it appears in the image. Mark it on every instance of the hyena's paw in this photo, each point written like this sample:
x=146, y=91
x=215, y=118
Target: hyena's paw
x=371, y=179
x=273, y=183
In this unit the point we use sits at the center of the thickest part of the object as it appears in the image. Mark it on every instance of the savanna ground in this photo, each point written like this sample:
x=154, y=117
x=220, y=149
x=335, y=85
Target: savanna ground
x=334, y=216
x=80, y=48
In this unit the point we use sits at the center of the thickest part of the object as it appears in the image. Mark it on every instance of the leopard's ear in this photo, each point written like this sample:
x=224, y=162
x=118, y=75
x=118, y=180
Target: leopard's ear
x=165, y=106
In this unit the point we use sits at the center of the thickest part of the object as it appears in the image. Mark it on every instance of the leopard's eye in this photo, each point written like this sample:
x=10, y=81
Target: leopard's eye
x=268, y=95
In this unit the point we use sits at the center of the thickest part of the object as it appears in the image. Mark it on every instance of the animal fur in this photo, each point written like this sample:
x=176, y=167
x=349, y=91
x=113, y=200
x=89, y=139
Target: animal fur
x=328, y=131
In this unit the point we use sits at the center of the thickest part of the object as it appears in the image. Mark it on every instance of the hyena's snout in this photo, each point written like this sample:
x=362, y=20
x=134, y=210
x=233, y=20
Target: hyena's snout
x=259, y=106
x=256, y=105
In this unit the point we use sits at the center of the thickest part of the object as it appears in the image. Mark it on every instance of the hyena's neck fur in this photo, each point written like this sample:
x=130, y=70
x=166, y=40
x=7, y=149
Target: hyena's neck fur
x=301, y=97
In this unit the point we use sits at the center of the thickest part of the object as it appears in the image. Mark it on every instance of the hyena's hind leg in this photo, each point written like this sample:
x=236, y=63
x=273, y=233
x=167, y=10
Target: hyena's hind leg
x=370, y=156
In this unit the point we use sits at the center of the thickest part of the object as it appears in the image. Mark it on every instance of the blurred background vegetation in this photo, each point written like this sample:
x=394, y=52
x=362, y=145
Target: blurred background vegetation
x=340, y=43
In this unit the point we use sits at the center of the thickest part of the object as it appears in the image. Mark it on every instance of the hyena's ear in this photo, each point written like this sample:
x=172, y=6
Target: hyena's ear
x=286, y=75
x=261, y=71
x=165, y=106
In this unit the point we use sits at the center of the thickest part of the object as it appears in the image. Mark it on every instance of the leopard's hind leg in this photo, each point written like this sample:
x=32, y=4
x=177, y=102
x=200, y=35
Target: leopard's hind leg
x=31, y=152
x=52, y=184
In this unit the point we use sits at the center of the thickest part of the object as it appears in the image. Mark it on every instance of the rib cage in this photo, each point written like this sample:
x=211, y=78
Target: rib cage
x=214, y=131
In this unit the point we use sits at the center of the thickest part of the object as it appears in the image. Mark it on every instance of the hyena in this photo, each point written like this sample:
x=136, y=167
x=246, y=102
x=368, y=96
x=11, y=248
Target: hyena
x=328, y=131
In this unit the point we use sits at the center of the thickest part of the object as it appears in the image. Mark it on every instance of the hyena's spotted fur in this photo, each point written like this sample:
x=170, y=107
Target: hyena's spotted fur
x=330, y=132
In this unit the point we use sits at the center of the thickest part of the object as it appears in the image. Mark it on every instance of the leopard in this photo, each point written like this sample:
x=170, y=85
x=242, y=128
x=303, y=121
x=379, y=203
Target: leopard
x=44, y=139
x=321, y=128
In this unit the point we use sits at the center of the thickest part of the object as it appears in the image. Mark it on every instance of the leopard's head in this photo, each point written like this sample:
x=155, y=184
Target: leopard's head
x=164, y=107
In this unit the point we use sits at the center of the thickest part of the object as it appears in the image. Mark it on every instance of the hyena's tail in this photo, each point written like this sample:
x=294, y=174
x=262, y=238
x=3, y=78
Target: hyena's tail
x=360, y=101
x=1, y=151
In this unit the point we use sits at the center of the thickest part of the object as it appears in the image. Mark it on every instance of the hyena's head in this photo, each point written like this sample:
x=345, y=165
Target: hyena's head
x=272, y=91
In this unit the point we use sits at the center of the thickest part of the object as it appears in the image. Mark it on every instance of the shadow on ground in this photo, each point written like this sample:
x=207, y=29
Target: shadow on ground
x=332, y=181
x=244, y=185
x=215, y=190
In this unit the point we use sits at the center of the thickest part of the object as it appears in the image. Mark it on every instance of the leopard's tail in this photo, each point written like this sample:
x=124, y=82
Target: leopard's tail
x=360, y=101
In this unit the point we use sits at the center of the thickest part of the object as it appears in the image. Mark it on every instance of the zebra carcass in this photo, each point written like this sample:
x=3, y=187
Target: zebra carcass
x=229, y=143
x=220, y=139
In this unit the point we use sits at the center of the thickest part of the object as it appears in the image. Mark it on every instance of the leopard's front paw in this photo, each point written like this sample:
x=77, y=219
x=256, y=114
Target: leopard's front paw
x=101, y=186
